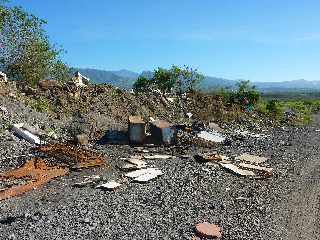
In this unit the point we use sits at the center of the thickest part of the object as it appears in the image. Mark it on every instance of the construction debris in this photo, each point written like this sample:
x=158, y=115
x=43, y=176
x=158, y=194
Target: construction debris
x=74, y=157
x=158, y=156
x=35, y=171
x=148, y=176
x=144, y=175
x=112, y=185
x=25, y=134
x=211, y=136
x=88, y=181
x=3, y=77
x=251, y=158
x=136, y=161
x=263, y=170
x=208, y=230
x=137, y=130
x=163, y=132
x=210, y=157
x=79, y=80
x=233, y=168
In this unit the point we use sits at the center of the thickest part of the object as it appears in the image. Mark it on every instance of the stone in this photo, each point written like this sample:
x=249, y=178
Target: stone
x=82, y=139
x=208, y=230
x=215, y=127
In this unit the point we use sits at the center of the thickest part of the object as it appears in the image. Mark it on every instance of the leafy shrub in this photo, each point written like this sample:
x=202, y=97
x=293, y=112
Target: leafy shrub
x=273, y=108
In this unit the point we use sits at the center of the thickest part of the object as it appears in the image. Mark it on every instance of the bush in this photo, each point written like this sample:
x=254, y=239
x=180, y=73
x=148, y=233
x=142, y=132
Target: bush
x=174, y=80
x=274, y=109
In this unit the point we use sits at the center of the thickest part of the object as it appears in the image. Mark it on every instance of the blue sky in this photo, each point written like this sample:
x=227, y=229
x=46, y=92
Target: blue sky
x=260, y=40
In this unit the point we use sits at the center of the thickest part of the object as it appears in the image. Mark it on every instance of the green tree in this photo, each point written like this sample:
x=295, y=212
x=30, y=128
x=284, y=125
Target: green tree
x=246, y=93
x=25, y=51
x=164, y=80
x=142, y=83
x=174, y=80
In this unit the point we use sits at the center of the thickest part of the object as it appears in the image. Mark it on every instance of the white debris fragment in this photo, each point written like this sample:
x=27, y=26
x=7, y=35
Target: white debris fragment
x=251, y=158
x=109, y=185
x=17, y=128
x=189, y=115
x=144, y=175
x=237, y=170
x=212, y=136
x=151, y=119
x=148, y=176
x=249, y=134
x=140, y=172
x=158, y=156
x=4, y=110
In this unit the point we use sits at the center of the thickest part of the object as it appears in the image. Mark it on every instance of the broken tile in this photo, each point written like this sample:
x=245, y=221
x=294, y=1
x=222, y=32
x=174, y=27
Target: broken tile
x=237, y=170
x=148, y=176
x=251, y=158
x=140, y=172
x=158, y=156
x=266, y=170
x=211, y=136
x=208, y=230
x=112, y=185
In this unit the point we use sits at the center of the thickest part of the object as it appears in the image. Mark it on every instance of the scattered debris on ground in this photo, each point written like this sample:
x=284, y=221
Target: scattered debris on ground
x=211, y=136
x=208, y=231
x=37, y=173
x=72, y=156
x=112, y=185
x=251, y=158
x=21, y=131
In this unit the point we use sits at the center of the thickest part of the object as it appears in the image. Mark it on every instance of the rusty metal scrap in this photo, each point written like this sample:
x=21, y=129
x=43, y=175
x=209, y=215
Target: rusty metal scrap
x=73, y=156
x=36, y=171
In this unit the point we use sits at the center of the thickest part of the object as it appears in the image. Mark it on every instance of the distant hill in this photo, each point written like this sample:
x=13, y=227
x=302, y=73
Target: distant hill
x=125, y=79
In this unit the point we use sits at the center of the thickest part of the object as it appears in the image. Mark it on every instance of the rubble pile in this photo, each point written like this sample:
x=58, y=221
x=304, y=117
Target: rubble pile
x=131, y=160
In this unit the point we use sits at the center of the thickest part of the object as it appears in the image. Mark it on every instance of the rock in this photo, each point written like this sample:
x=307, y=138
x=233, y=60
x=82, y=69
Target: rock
x=208, y=230
x=82, y=139
x=215, y=127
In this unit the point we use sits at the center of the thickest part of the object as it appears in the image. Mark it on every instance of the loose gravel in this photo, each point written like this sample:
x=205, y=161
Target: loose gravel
x=170, y=206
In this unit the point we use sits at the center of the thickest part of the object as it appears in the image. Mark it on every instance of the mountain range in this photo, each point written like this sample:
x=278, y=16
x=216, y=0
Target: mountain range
x=125, y=79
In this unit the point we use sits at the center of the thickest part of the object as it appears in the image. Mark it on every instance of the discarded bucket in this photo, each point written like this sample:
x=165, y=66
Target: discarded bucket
x=137, y=130
x=163, y=132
